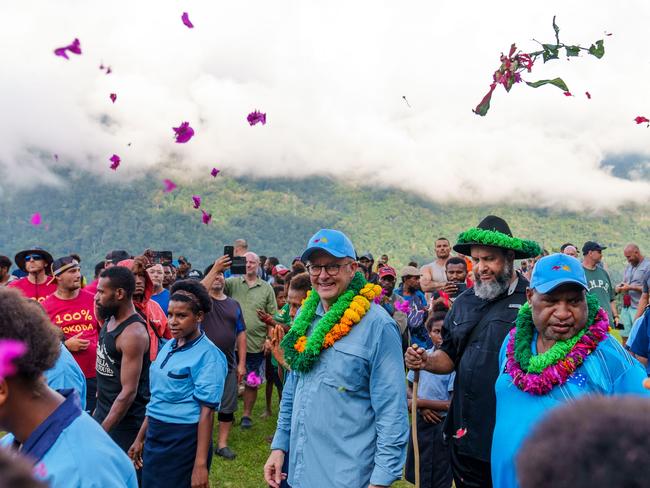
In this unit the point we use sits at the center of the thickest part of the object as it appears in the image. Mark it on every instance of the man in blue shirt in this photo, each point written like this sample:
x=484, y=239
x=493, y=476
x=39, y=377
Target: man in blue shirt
x=65, y=445
x=559, y=350
x=343, y=417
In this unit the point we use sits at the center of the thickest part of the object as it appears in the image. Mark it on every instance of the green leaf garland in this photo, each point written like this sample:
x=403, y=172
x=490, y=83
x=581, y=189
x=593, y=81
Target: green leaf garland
x=499, y=239
x=559, y=350
x=304, y=361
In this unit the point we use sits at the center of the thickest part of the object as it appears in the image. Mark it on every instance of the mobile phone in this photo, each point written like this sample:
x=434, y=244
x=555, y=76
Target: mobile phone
x=161, y=257
x=460, y=288
x=229, y=251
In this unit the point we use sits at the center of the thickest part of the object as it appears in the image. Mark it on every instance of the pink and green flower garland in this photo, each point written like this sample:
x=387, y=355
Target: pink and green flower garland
x=538, y=374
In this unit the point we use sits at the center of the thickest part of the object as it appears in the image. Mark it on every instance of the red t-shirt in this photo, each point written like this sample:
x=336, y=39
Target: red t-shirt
x=30, y=290
x=74, y=316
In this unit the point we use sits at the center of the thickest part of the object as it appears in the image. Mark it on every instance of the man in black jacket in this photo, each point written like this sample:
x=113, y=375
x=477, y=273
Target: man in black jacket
x=473, y=333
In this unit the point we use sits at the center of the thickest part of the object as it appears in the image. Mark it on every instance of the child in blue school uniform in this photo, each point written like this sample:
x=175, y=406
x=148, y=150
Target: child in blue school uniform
x=65, y=446
x=174, y=445
x=434, y=396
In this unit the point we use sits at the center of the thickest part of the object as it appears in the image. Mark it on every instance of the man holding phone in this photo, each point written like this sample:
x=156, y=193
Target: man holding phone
x=456, y=272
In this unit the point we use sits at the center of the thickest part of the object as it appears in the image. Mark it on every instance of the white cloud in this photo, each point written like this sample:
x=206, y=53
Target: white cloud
x=331, y=76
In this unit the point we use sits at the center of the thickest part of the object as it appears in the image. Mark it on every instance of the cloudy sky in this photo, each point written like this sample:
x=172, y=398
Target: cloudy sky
x=331, y=77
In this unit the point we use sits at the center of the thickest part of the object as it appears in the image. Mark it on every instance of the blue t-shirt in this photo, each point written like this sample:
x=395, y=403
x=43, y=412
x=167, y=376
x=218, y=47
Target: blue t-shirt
x=639, y=340
x=70, y=449
x=434, y=386
x=66, y=374
x=162, y=299
x=609, y=370
x=181, y=379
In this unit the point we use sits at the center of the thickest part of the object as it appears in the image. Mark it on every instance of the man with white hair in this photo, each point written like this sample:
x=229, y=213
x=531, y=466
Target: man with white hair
x=253, y=294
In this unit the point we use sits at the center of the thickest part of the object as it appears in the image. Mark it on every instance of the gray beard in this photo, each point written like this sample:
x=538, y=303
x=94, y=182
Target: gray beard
x=491, y=289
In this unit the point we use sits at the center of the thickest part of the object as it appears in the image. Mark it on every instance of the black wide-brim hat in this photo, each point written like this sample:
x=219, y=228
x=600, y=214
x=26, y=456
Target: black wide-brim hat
x=19, y=259
x=493, y=231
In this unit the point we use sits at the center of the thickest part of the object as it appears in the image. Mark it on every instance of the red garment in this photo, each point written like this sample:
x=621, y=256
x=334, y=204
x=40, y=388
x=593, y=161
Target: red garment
x=91, y=287
x=148, y=308
x=33, y=291
x=74, y=316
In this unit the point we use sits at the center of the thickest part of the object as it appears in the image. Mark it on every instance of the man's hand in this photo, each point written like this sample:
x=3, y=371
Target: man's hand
x=430, y=416
x=415, y=358
x=276, y=338
x=135, y=453
x=273, y=474
x=265, y=317
x=241, y=372
x=222, y=263
x=74, y=344
x=450, y=288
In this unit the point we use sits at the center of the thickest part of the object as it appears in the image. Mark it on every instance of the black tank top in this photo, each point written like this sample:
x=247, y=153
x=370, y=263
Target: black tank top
x=109, y=368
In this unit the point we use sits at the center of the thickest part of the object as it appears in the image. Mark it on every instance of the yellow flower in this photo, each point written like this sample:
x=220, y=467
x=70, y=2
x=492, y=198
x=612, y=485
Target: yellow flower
x=362, y=301
x=352, y=315
x=357, y=308
x=300, y=344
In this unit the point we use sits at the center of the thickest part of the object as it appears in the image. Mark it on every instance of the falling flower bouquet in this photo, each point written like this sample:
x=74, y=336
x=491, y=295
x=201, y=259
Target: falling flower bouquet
x=517, y=62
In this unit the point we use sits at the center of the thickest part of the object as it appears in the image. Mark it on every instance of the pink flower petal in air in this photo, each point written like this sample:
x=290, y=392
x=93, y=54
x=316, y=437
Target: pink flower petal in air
x=74, y=48
x=183, y=133
x=109, y=70
x=10, y=350
x=56, y=157
x=115, y=161
x=101, y=66
x=214, y=172
x=206, y=217
x=35, y=219
x=256, y=117
x=588, y=95
x=641, y=119
x=460, y=433
x=113, y=97
x=186, y=20
x=567, y=94
x=169, y=185
x=196, y=200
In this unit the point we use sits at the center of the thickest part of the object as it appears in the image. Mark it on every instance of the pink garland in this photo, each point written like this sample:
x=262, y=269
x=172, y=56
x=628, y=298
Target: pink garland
x=558, y=373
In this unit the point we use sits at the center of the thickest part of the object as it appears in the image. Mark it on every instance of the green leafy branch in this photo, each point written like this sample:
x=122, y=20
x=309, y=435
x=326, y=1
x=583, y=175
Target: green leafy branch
x=517, y=62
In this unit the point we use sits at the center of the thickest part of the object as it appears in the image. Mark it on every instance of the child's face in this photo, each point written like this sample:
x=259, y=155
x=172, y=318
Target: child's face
x=436, y=333
x=281, y=298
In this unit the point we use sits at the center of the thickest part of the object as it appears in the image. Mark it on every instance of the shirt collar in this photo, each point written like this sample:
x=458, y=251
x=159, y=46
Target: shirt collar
x=45, y=435
x=513, y=286
x=257, y=281
x=187, y=345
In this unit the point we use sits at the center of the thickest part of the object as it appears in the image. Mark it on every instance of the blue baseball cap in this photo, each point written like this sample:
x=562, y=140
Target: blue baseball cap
x=333, y=242
x=555, y=270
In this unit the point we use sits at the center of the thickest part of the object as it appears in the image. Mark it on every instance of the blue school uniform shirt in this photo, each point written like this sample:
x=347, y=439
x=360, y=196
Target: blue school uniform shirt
x=609, y=370
x=434, y=386
x=344, y=423
x=70, y=449
x=66, y=374
x=181, y=379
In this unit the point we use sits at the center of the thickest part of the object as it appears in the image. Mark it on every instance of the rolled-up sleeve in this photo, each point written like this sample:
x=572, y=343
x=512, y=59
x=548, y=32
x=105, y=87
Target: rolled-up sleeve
x=388, y=400
x=283, y=430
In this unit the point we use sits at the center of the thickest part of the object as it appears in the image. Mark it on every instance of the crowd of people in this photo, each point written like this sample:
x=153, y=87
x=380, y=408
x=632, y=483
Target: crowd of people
x=481, y=349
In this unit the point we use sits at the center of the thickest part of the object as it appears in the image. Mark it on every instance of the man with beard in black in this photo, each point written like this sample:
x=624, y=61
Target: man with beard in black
x=122, y=358
x=473, y=333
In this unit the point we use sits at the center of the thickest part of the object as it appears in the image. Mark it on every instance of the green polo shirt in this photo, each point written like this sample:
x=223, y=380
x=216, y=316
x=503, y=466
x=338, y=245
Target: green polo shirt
x=260, y=296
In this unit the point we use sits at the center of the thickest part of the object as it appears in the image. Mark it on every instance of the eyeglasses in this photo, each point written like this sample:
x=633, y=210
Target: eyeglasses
x=33, y=257
x=330, y=269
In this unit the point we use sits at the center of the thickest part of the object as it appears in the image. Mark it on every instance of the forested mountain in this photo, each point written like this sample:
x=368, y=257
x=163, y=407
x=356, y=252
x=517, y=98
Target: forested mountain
x=90, y=216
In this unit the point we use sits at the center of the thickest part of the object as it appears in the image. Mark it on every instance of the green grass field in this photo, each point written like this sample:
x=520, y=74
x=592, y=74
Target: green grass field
x=252, y=449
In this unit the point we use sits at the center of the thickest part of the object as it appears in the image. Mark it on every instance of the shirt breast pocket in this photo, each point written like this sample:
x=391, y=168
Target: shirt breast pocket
x=347, y=367
x=179, y=385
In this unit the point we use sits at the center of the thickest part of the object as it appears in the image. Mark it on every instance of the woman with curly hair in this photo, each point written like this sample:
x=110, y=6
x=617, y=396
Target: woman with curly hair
x=174, y=445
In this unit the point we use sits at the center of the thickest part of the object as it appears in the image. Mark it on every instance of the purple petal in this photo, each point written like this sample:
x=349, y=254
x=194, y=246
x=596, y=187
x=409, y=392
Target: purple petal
x=10, y=350
x=113, y=97
x=75, y=48
x=183, y=133
x=214, y=172
x=186, y=20
x=115, y=161
x=196, y=199
x=56, y=157
x=109, y=70
x=206, y=217
x=169, y=185
x=256, y=117
x=35, y=219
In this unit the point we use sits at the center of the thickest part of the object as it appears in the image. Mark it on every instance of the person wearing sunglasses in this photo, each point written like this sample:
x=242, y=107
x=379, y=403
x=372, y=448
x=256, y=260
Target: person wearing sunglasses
x=36, y=263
